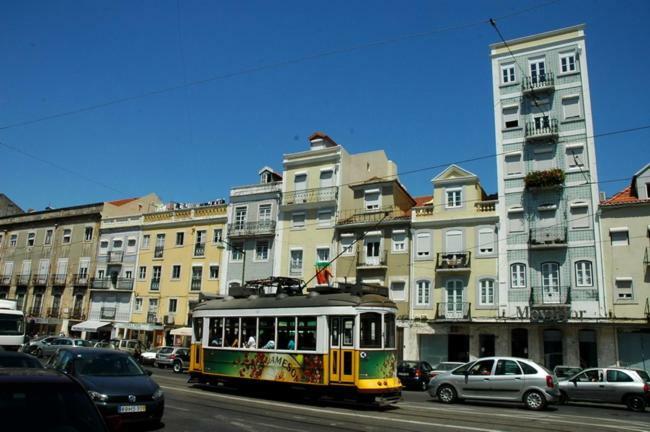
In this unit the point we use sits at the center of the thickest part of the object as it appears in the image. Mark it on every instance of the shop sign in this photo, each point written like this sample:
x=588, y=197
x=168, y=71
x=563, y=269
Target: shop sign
x=549, y=314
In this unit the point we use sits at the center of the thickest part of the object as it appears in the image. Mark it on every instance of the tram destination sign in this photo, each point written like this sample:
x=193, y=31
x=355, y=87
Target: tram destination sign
x=546, y=314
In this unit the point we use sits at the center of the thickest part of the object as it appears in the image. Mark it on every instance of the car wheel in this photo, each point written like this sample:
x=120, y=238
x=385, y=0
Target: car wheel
x=635, y=403
x=563, y=398
x=534, y=400
x=177, y=367
x=39, y=352
x=447, y=394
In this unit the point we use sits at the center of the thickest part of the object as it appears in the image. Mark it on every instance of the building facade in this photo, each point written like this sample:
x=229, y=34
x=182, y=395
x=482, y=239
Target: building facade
x=8, y=207
x=551, y=292
x=454, y=301
x=251, y=234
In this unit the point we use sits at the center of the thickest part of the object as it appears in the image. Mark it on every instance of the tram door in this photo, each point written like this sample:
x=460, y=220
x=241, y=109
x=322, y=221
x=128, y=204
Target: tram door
x=342, y=349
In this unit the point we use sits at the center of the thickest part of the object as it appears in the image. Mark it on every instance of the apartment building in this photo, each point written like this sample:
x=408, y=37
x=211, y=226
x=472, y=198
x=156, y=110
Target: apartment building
x=551, y=293
x=625, y=225
x=178, y=262
x=312, y=195
x=251, y=235
x=454, y=301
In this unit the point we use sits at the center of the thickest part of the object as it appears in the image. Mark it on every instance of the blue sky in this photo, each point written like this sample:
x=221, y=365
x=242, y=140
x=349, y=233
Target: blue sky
x=425, y=100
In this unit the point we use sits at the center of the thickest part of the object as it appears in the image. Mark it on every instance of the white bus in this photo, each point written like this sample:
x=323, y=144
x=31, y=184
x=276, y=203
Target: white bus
x=12, y=326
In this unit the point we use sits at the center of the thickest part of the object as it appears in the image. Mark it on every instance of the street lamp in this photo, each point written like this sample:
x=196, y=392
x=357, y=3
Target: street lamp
x=243, y=267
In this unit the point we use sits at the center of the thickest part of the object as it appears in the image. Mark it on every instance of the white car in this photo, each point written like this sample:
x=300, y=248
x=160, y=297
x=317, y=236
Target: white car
x=149, y=356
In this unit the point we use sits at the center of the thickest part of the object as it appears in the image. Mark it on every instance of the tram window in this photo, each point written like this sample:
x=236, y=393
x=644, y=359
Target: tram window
x=249, y=332
x=348, y=331
x=198, y=329
x=370, y=330
x=267, y=333
x=216, y=332
x=287, y=333
x=307, y=333
x=334, y=332
x=389, y=331
x=232, y=332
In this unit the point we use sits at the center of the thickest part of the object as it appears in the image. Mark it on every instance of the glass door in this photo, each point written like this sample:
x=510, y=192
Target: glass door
x=551, y=283
x=342, y=349
x=454, y=299
x=372, y=244
x=537, y=71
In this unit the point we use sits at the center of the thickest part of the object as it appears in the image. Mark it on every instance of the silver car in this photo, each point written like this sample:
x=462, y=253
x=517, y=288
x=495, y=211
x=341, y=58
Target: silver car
x=608, y=385
x=62, y=342
x=508, y=379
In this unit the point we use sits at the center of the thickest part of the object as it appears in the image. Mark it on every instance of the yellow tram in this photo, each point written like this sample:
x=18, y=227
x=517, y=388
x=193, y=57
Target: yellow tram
x=340, y=343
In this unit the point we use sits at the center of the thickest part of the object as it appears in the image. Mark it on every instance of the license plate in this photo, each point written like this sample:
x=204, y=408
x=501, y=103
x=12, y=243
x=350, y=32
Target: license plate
x=402, y=374
x=131, y=408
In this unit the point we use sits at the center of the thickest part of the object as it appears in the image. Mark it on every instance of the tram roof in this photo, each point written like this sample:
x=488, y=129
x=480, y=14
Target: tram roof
x=302, y=301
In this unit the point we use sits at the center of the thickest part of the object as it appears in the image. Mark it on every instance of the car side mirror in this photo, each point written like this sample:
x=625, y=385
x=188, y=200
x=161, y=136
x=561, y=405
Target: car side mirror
x=148, y=372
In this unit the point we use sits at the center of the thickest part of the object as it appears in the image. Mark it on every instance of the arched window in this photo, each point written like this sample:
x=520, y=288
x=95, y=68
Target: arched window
x=518, y=275
x=584, y=274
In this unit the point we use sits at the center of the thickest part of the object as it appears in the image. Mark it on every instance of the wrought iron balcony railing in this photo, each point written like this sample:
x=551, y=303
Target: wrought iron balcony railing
x=81, y=280
x=5, y=280
x=543, y=128
x=199, y=249
x=152, y=317
x=155, y=284
x=365, y=261
x=23, y=279
x=309, y=196
x=251, y=229
x=115, y=257
x=195, y=285
x=550, y=295
x=158, y=251
x=54, y=312
x=112, y=283
x=124, y=284
x=453, y=261
x=548, y=237
x=59, y=279
x=453, y=311
x=538, y=84
x=39, y=279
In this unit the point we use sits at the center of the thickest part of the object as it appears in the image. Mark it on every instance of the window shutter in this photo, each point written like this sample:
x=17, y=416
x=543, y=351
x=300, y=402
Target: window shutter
x=423, y=245
x=571, y=107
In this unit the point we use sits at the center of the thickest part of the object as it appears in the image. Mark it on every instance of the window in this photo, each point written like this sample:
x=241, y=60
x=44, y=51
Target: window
x=510, y=117
x=483, y=367
x=370, y=335
x=145, y=241
x=48, y=237
x=130, y=245
x=295, y=264
x=619, y=236
x=307, y=333
x=215, y=337
x=584, y=274
x=324, y=218
x=128, y=274
x=300, y=182
x=157, y=271
x=514, y=165
x=544, y=158
x=237, y=251
x=485, y=241
x=266, y=329
x=389, y=330
x=176, y=272
x=486, y=292
x=508, y=74
x=84, y=263
x=214, y=271
x=117, y=244
x=454, y=198
x=571, y=107
x=507, y=367
x=423, y=245
x=423, y=293
x=101, y=273
x=264, y=213
x=614, y=375
x=399, y=241
x=624, y=289
x=372, y=199
x=180, y=238
x=153, y=305
x=518, y=275
x=173, y=304
x=217, y=235
x=579, y=215
x=142, y=272
x=298, y=220
x=575, y=158
x=240, y=217
x=13, y=240
x=67, y=235
x=323, y=254
x=103, y=247
x=567, y=63
x=537, y=70
x=347, y=245
x=137, y=306
x=231, y=327
x=398, y=291
x=515, y=221
x=88, y=234
x=248, y=332
x=31, y=238
x=287, y=333
x=262, y=250
x=197, y=275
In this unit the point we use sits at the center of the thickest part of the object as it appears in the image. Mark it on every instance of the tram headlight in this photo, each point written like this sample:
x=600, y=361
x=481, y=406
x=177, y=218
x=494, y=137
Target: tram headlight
x=363, y=354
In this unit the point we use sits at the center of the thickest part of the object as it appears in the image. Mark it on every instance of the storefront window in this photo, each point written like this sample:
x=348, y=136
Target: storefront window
x=519, y=343
x=370, y=330
x=553, y=349
x=588, y=348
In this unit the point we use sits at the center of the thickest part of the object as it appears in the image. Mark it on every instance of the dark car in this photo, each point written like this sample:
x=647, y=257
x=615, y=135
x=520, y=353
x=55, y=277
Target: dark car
x=36, y=400
x=122, y=390
x=9, y=359
x=414, y=374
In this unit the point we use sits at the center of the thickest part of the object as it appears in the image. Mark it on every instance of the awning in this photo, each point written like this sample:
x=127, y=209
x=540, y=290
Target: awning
x=89, y=326
x=139, y=326
x=183, y=331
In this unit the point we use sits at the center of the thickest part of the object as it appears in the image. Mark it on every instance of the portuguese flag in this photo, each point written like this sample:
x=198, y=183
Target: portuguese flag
x=323, y=273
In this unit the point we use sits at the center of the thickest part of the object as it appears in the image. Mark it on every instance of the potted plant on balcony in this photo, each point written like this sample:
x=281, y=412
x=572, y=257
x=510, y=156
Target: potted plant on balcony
x=544, y=179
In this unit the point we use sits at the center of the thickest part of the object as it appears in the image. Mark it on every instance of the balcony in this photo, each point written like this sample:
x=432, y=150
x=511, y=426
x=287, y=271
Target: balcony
x=59, y=279
x=23, y=279
x=486, y=206
x=251, y=229
x=158, y=251
x=541, y=296
x=372, y=262
x=108, y=313
x=544, y=83
x=124, y=284
x=155, y=284
x=35, y=311
x=115, y=257
x=372, y=216
x=39, y=279
x=460, y=311
x=199, y=249
x=152, y=318
x=5, y=280
x=453, y=261
x=310, y=196
x=542, y=129
x=548, y=237
x=54, y=312
x=544, y=180
x=101, y=283
x=195, y=285
x=81, y=280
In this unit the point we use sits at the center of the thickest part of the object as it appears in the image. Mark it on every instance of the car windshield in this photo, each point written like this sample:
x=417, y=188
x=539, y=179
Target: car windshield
x=11, y=324
x=83, y=343
x=446, y=366
x=107, y=364
x=407, y=365
x=19, y=362
x=643, y=374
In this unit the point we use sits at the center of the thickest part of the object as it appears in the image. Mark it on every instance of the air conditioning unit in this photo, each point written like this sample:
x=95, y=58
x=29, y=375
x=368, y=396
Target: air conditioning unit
x=169, y=319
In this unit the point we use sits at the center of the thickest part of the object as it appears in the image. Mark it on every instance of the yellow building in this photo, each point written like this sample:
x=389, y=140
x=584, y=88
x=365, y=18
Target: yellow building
x=454, y=302
x=178, y=261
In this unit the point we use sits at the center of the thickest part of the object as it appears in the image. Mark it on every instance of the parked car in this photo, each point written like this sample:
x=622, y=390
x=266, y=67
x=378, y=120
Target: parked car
x=149, y=356
x=565, y=372
x=444, y=367
x=608, y=385
x=105, y=345
x=132, y=346
x=173, y=357
x=9, y=359
x=33, y=346
x=61, y=342
x=35, y=400
x=498, y=379
x=414, y=373
x=122, y=390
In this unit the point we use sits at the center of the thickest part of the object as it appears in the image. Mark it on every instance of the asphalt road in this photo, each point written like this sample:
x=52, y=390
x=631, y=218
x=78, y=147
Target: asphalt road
x=194, y=409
